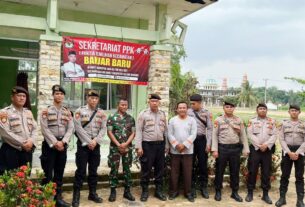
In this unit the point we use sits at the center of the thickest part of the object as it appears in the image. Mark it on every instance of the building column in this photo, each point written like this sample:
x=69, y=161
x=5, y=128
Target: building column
x=159, y=73
x=48, y=73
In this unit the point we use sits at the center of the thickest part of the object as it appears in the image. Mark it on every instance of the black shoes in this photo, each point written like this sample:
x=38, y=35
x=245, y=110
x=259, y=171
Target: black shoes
x=266, y=198
x=160, y=195
x=190, y=197
x=236, y=197
x=144, y=195
x=218, y=195
x=112, y=196
x=249, y=196
x=205, y=193
x=172, y=196
x=127, y=194
x=75, y=200
x=280, y=202
x=94, y=197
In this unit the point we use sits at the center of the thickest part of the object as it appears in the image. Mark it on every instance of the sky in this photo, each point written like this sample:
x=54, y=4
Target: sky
x=264, y=39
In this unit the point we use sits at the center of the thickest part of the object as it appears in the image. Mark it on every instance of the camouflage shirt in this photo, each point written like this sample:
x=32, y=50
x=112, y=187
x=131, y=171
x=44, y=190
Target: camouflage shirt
x=121, y=126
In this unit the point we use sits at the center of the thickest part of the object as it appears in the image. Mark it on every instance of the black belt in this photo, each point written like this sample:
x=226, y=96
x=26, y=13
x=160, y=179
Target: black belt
x=200, y=136
x=59, y=138
x=153, y=142
x=294, y=147
x=229, y=146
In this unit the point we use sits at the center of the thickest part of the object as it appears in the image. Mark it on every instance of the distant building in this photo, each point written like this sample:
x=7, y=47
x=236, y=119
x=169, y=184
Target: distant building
x=213, y=94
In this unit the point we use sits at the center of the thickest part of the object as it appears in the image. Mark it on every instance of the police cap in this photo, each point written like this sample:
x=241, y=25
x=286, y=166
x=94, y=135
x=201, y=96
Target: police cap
x=19, y=89
x=261, y=105
x=58, y=88
x=93, y=93
x=154, y=96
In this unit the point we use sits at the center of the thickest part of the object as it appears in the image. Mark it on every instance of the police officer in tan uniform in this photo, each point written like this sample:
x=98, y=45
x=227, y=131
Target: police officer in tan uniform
x=150, y=143
x=90, y=126
x=228, y=141
x=262, y=133
x=18, y=130
x=202, y=144
x=57, y=128
x=292, y=139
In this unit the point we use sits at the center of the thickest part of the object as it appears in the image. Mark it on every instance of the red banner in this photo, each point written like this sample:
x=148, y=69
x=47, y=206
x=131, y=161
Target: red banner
x=100, y=60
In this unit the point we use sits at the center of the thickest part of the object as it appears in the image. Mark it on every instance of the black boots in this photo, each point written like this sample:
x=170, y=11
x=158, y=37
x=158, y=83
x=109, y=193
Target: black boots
x=282, y=200
x=76, y=197
x=218, y=195
x=59, y=200
x=300, y=202
x=94, y=197
x=204, y=192
x=159, y=193
x=128, y=195
x=112, y=196
x=249, y=196
x=144, y=195
x=236, y=197
x=266, y=197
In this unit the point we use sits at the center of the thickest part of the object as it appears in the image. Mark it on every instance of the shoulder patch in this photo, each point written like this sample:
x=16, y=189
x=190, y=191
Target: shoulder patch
x=215, y=124
x=249, y=123
x=3, y=117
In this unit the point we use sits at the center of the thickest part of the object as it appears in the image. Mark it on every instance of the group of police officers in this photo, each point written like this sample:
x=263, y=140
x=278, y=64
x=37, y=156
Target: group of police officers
x=226, y=138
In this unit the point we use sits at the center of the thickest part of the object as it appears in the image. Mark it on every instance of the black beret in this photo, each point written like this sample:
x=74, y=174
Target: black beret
x=19, y=89
x=261, y=105
x=58, y=88
x=294, y=106
x=154, y=96
x=93, y=93
x=72, y=52
x=196, y=97
x=230, y=103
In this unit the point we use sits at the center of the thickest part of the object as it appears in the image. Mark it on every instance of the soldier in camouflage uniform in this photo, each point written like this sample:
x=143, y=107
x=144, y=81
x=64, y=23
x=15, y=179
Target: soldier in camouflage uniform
x=121, y=131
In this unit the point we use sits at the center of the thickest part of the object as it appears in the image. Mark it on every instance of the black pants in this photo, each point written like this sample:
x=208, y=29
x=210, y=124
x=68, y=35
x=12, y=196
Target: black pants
x=53, y=163
x=257, y=159
x=84, y=157
x=286, y=166
x=11, y=158
x=202, y=161
x=228, y=154
x=153, y=157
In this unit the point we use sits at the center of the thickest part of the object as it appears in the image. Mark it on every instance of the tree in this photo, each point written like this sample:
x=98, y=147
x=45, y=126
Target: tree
x=182, y=86
x=247, y=97
x=302, y=82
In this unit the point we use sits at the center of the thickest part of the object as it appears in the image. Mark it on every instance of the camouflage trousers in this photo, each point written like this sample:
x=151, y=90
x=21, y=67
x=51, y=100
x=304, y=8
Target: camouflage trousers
x=114, y=158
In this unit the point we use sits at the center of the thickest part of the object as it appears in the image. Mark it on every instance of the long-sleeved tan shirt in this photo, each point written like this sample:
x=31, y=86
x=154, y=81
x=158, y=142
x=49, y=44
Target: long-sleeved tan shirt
x=262, y=131
x=56, y=124
x=95, y=129
x=151, y=126
x=229, y=131
x=16, y=127
x=207, y=130
x=293, y=134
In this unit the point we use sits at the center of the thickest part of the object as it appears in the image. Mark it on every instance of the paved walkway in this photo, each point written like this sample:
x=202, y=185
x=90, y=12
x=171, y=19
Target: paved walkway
x=181, y=201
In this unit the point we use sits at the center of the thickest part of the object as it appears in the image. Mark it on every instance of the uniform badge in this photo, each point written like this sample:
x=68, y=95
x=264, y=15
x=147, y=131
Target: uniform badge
x=44, y=113
x=77, y=115
x=3, y=117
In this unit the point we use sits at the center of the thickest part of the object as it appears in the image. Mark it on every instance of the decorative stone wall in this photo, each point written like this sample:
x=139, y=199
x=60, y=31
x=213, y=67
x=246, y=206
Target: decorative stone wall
x=48, y=73
x=159, y=75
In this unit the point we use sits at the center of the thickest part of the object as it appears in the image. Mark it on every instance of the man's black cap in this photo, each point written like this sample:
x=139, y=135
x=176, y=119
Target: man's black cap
x=93, y=93
x=19, y=89
x=196, y=97
x=261, y=105
x=230, y=103
x=58, y=88
x=294, y=106
x=154, y=96
x=72, y=52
